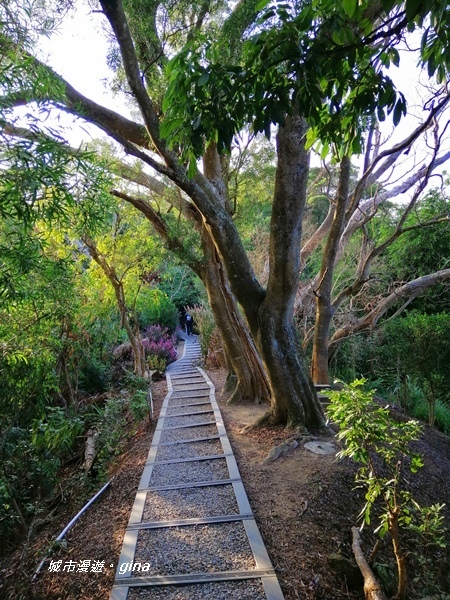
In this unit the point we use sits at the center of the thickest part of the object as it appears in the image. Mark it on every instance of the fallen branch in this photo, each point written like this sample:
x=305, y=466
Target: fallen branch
x=372, y=589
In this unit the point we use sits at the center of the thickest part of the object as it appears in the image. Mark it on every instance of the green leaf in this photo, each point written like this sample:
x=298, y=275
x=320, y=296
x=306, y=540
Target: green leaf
x=399, y=110
x=325, y=150
x=350, y=7
x=169, y=126
x=394, y=56
x=413, y=8
x=388, y=5
x=262, y=4
x=203, y=79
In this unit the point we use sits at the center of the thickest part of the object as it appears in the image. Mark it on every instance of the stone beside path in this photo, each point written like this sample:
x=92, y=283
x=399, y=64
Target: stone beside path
x=191, y=533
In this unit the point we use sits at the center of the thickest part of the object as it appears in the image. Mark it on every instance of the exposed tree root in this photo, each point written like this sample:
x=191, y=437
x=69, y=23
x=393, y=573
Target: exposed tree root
x=266, y=420
x=269, y=419
x=230, y=384
x=237, y=397
x=289, y=444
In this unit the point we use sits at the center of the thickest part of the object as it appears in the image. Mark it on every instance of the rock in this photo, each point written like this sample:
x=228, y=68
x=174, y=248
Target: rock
x=320, y=447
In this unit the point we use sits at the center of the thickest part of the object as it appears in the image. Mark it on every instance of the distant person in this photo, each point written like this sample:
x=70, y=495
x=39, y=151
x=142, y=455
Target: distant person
x=188, y=320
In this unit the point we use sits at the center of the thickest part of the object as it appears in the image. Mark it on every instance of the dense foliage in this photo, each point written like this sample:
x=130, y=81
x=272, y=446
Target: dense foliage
x=83, y=273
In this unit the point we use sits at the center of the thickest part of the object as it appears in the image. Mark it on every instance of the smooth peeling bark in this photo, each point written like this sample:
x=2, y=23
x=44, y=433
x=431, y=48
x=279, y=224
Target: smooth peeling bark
x=294, y=401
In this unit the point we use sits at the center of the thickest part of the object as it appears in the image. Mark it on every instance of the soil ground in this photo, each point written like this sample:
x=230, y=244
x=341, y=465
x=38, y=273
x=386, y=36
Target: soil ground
x=305, y=505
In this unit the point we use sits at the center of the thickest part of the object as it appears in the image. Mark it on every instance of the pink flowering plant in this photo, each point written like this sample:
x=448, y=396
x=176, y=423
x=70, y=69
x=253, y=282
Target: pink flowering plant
x=160, y=347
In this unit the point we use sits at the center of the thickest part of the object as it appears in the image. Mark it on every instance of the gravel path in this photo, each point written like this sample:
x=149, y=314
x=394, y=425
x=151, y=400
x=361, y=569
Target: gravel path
x=189, y=409
x=191, y=387
x=190, y=450
x=207, y=548
x=189, y=503
x=188, y=419
x=195, y=549
x=188, y=472
x=189, y=433
x=194, y=381
x=251, y=589
x=187, y=398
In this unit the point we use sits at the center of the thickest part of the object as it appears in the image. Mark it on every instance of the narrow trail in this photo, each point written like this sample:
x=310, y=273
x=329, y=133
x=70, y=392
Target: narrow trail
x=191, y=533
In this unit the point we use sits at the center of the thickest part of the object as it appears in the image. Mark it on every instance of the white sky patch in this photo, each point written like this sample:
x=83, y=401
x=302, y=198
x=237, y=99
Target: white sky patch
x=77, y=51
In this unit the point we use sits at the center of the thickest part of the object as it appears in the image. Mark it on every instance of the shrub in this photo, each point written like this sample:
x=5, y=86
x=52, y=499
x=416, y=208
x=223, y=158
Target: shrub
x=155, y=307
x=417, y=346
x=94, y=376
x=381, y=446
x=206, y=325
x=139, y=405
x=159, y=346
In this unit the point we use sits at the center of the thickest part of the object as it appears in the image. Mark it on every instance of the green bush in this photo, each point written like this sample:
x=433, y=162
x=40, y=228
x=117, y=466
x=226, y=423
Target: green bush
x=381, y=446
x=139, y=405
x=154, y=307
x=204, y=321
x=413, y=352
x=94, y=376
x=57, y=431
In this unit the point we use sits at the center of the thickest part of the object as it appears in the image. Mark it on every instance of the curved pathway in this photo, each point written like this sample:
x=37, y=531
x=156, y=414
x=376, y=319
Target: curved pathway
x=191, y=533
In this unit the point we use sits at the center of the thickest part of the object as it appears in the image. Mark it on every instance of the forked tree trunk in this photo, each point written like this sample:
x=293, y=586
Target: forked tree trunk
x=251, y=380
x=140, y=367
x=271, y=319
x=251, y=383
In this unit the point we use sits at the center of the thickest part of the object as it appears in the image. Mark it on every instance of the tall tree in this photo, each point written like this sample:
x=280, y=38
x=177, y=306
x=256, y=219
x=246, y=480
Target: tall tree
x=317, y=65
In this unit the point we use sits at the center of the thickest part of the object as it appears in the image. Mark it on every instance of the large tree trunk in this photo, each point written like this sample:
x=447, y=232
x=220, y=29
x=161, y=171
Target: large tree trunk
x=271, y=321
x=251, y=380
x=324, y=306
x=295, y=401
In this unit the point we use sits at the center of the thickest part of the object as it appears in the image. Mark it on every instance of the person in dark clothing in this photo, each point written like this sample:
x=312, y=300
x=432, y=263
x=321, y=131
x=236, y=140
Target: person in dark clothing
x=188, y=320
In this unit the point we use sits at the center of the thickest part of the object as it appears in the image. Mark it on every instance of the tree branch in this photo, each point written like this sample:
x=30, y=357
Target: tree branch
x=115, y=14
x=173, y=243
x=413, y=288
